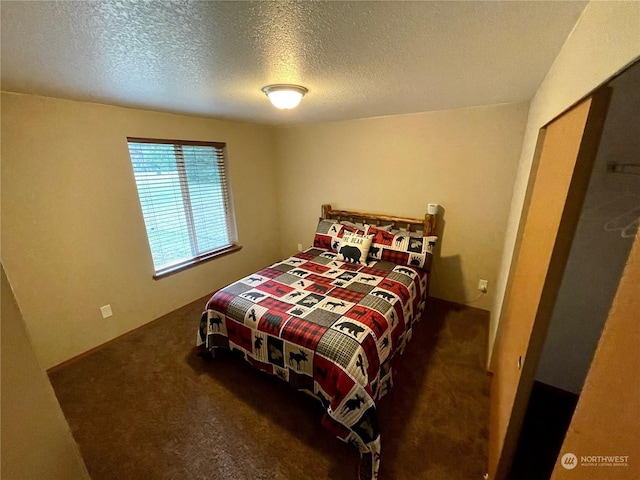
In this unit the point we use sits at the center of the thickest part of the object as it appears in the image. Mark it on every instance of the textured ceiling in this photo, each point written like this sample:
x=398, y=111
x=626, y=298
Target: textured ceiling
x=358, y=59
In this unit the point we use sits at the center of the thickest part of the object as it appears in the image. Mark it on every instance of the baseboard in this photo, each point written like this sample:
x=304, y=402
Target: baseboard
x=456, y=306
x=55, y=368
x=556, y=391
x=97, y=348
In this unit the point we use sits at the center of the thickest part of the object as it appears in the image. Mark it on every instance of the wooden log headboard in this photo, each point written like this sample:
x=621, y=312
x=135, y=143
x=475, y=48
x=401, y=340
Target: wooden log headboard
x=428, y=225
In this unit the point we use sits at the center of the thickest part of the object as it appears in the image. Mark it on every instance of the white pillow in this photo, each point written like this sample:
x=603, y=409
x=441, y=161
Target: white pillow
x=354, y=248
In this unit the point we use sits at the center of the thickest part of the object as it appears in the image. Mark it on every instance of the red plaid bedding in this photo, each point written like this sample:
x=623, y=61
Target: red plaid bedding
x=325, y=326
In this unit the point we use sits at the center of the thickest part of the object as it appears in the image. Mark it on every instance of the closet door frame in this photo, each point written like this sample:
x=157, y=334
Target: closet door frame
x=564, y=160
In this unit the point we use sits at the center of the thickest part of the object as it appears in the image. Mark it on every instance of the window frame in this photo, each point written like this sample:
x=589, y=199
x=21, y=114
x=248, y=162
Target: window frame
x=234, y=246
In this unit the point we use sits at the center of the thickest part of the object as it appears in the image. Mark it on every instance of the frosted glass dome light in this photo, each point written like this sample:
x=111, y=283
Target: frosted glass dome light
x=285, y=96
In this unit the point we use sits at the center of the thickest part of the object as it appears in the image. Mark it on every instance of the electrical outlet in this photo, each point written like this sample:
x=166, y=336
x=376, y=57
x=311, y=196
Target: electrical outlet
x=299, y=247
x=106, y=311
x=483, y=285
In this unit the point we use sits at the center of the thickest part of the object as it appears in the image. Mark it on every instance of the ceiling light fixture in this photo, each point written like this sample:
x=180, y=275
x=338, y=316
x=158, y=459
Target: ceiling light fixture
x=285, y=96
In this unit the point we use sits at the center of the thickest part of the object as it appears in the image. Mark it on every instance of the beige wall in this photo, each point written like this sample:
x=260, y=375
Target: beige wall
x=73, y=237
x=72, y=241
x=604, y=40
x=36, y=440
x=464, y=160
x=606, y=422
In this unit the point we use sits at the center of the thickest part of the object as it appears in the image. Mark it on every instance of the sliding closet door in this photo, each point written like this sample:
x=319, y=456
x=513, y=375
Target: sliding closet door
x=600, y=423
x=555, y=198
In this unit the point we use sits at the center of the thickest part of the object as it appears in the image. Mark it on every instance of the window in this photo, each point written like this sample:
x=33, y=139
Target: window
x=185, y=200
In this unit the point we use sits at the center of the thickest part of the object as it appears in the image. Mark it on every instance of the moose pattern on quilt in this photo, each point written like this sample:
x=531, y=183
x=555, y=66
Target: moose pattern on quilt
x=326, y=326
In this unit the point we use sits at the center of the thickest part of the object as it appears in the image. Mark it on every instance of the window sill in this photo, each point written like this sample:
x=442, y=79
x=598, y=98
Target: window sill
x=196, y=261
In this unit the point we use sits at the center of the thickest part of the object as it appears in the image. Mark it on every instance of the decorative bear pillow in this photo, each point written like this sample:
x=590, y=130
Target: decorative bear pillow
x=354, y=248
x=329, y=233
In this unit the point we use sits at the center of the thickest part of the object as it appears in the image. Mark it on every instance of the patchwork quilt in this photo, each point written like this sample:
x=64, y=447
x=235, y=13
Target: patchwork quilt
x=326, y=326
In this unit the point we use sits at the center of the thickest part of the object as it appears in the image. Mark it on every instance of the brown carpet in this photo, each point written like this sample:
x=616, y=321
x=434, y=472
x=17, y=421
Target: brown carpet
x=144, y=407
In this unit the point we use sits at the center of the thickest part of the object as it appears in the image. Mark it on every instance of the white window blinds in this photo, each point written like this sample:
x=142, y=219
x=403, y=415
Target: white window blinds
x=185, y=199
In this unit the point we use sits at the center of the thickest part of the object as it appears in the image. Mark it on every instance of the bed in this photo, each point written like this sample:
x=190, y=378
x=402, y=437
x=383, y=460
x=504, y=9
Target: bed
x=332, y=320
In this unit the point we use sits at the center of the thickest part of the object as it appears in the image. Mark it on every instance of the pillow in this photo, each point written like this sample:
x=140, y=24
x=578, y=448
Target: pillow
x=354, y=248
x=363, y=226
x=401, y=248
x=360, y=226
x=330, y=232
x=385, y=228
x=418, y=233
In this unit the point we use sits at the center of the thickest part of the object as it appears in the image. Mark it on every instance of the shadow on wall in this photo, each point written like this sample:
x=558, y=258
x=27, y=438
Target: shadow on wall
x=445, y=270
x=440, y=231
x=448, y=271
